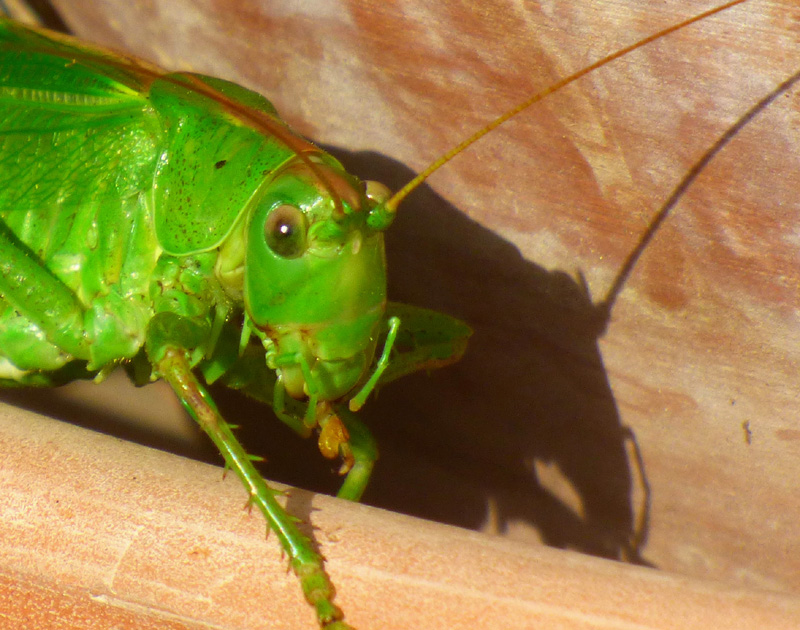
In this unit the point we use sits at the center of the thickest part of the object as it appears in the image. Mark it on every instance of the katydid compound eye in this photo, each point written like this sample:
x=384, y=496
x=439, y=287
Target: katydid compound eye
x=285, y=231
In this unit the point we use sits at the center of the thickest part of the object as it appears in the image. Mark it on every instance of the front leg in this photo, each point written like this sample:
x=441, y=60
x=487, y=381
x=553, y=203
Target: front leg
x=425, y=340
x=169, y=338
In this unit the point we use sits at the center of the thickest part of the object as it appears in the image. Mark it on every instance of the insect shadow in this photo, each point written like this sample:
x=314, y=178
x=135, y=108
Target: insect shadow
x=465, y=445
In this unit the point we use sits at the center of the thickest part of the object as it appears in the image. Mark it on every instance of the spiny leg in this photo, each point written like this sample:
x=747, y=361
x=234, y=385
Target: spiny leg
x=174, y=367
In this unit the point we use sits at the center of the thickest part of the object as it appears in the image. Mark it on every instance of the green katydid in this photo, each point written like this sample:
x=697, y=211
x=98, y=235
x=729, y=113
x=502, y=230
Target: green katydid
x=118, y=261
x=145, y=254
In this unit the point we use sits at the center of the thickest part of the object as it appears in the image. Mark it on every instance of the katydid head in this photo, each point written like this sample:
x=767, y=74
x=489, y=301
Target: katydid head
x=315, y=276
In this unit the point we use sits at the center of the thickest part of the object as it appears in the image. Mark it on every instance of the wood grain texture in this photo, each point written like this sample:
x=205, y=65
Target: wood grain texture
x=532, y=433
x=98, y=532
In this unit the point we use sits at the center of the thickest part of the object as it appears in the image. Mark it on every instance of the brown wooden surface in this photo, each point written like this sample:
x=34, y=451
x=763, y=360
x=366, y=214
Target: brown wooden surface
x=97, y=532
x=529, y=434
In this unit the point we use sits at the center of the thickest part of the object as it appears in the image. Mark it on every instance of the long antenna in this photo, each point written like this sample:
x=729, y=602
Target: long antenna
x=391, y=205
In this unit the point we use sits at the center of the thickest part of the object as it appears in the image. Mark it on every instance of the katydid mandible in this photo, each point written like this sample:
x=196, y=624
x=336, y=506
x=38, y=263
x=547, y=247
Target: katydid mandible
x=192, y=232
